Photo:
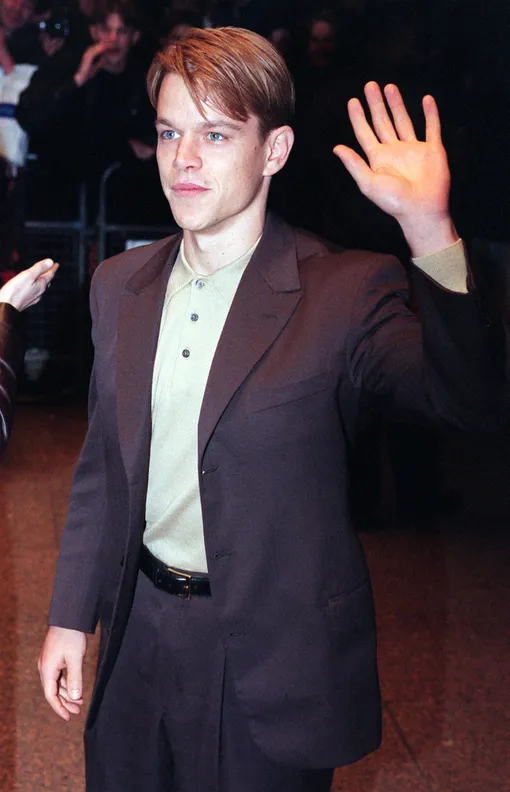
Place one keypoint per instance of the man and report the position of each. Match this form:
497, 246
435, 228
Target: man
208, 528
85, 110
17, 35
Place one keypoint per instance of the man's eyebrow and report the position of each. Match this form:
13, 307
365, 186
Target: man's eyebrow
204, 124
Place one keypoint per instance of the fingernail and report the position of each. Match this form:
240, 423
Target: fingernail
75, 694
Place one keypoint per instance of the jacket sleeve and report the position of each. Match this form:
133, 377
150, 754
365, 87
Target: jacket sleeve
76, 590
11, 361
448, 365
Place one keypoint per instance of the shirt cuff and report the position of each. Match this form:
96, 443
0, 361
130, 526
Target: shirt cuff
447, 267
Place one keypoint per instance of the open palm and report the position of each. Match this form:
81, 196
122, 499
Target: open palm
404, 176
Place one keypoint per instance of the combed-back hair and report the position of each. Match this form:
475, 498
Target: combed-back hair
234, 70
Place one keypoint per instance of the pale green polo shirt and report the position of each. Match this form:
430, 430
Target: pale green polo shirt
194, 312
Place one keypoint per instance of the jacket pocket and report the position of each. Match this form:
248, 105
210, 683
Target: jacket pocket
274, 397
352, 611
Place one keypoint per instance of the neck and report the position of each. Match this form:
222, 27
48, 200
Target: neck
209, 251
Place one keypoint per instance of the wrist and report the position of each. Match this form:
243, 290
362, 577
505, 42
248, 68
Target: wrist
428, 235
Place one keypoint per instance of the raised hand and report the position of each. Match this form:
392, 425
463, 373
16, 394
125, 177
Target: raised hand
407, 178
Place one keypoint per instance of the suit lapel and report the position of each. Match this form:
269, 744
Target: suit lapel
265, 300
138, 330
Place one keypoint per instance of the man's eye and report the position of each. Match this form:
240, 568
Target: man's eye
167, 134
215, 137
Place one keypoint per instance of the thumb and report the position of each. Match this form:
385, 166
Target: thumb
40, 267
74, 678
356, 165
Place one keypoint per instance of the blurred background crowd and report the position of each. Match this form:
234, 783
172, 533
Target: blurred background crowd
74, 116
73, 102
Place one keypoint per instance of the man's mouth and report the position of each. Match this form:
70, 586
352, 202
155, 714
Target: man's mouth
188, 189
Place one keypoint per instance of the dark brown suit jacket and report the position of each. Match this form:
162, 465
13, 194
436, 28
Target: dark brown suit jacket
310, 335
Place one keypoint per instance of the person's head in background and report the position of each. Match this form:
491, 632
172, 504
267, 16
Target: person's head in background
176, 24
321, 45
15, 13
281, 38
54, 30
117, 23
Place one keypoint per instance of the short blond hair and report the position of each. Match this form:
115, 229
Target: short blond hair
235, 70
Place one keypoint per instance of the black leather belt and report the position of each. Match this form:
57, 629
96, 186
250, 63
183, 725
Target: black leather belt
173, 581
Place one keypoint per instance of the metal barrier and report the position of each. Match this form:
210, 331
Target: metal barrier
58, 356
55, 329
113, 238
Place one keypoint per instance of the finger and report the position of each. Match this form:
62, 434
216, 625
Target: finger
357, 167
401, 119
362, 129
73, 707
48, 276
50, 688
432, 120
41, 268
380, 118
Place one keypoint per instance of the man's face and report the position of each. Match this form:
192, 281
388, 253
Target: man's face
14, 13
119, 37
214, 169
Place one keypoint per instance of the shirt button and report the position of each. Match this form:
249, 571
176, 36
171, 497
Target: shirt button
200, 284
186, 353
194, 317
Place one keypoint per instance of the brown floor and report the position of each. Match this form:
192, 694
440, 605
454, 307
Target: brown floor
443, 601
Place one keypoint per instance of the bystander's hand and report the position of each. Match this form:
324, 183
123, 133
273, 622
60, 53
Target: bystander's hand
27, 287
407, 178
92, 61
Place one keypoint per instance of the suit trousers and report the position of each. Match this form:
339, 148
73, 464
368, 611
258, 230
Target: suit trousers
169, 720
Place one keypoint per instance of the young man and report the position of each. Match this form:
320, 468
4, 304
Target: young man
208, 527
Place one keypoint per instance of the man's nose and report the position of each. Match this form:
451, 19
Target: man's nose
187, 154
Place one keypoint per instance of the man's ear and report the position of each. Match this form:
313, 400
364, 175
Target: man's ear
279, 142
136, 38
94, 33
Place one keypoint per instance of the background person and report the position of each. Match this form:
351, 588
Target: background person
85, 110
20, 292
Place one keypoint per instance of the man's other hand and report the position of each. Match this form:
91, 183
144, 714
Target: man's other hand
407, 178
60, 667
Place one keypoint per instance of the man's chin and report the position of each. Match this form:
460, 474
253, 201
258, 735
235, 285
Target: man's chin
188, 221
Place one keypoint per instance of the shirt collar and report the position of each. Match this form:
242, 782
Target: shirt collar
225, 280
